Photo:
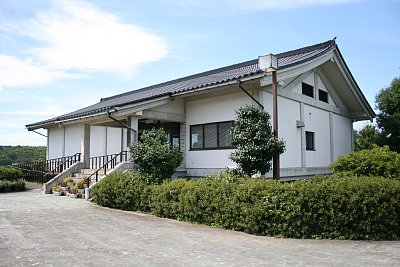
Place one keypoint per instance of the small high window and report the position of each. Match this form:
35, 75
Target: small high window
307, 90
310, 141
323, 96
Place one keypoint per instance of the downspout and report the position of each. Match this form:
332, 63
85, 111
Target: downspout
239, 82
122, 124
38, 133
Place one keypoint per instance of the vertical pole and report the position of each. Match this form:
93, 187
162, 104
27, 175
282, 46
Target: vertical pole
85, 145
275, 171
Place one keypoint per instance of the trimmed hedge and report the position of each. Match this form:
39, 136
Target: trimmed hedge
378, 161
326, 207
125, 191
10, 174
11, 186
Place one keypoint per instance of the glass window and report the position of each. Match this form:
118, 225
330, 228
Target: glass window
323, 96
196, 136
224, 135
210, 136
310, 141
307, 90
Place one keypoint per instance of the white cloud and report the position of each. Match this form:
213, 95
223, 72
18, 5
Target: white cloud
17, 72
42, 111
78, 36
74, 38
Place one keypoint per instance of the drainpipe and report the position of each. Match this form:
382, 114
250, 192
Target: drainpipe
239, 82
39, 133
122, 124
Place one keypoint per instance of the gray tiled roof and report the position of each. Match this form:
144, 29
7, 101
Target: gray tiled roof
189, 83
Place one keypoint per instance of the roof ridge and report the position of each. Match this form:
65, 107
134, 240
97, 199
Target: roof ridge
193, 76
308, 48
225, 68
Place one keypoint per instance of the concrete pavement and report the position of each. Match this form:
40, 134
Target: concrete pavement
45, 230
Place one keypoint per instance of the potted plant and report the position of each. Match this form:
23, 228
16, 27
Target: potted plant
63, 187
69, 181
81, 187
56, 190
72, 191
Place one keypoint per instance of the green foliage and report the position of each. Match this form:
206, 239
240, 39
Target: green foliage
11, 186
21, 154
10, 174
125, 191
254, 141
155, 157
337, 207
388, 119
378, 161
367, 137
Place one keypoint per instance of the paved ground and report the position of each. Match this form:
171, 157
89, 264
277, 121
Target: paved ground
45, 230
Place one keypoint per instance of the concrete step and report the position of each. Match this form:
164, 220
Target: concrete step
90, 171
79, 175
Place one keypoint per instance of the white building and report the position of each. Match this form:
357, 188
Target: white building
318, 99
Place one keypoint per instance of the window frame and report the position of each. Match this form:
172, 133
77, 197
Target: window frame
310, 147
218, 147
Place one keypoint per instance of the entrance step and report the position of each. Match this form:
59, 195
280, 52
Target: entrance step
85, 173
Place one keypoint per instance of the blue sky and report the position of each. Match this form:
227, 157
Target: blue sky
59, 56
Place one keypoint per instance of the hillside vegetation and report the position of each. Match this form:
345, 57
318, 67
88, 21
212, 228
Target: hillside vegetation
20, 154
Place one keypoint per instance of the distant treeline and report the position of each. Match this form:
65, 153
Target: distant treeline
20, 154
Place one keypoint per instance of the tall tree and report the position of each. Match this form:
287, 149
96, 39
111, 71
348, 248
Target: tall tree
388, 118
367, 137
254, 141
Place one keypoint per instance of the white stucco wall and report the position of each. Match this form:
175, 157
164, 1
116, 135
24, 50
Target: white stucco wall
106, 140
342, 135
73, 139
97, 141
114, 140
55, 142
288, 114
215, 109
317, 121
175, 107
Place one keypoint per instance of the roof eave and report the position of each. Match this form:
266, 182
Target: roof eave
55, 121
355, 88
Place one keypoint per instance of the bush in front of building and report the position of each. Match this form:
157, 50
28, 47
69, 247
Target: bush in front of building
155, 156
254, 141
125, 191
339, 207
378, 161
10, 174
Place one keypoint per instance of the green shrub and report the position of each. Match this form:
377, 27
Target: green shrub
155, 157
11, 186
10, 174
339, 207
378, 161
255, 143
125, 191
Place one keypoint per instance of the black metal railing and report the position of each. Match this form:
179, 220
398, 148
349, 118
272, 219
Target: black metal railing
108, 161
44, 171
100, 161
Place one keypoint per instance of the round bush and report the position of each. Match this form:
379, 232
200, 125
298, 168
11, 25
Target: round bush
378, 161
